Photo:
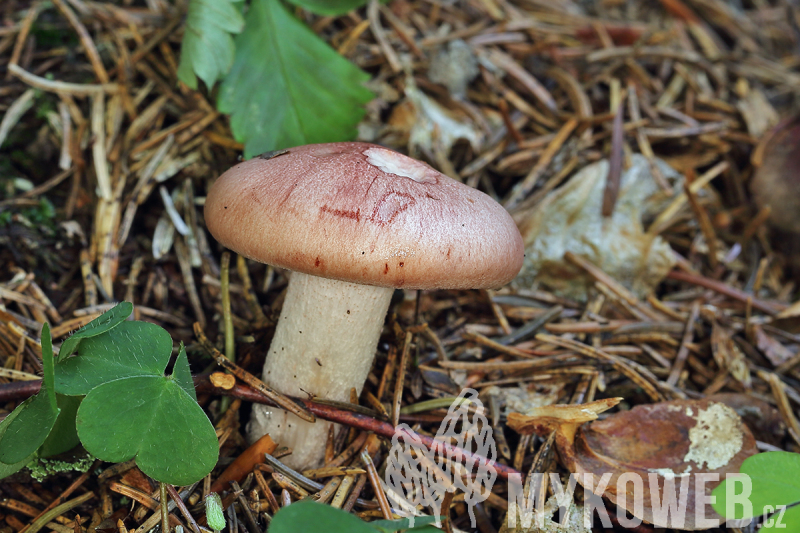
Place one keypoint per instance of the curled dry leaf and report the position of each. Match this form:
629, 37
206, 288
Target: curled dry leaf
728, 356
563, 417
758, 113
773, 350
666, 443
430, 127
454, 66
523, 398
570, 219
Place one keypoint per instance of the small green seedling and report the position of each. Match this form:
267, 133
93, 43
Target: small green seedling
312, 517
769, 487
215, 514
113, 396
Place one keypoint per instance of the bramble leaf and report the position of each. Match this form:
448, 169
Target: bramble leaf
287, 87
154, 420
329, 7
130, 349
207, 48
108, 320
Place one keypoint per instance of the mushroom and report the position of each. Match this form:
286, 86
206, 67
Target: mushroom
776, 185
353, 222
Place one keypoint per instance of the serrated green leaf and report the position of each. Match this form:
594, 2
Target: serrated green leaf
26, 428
329, 7
774, 480
182, 374
207, 49
154, 420
287, 87
310, 516
64, 435
130, 349
99, 325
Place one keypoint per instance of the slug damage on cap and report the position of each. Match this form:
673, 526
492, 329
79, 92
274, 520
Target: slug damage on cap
392, 162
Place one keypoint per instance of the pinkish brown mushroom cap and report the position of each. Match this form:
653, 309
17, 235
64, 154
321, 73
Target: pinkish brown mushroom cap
365, 214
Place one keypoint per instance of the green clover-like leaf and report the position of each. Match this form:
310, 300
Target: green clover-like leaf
421, 525
329, 7
130, 349
774, 479
64, 435
154, 420
27, 427
7, 470
108, 320
182, 374
308, 515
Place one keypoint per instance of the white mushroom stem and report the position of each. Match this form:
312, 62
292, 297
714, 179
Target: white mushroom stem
324, 345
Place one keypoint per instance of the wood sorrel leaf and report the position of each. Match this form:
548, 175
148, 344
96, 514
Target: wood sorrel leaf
307, 515
64, 435
183, 374
27, 427
774, 479
130, 349
153, 419
48, 384
7, 470
329, 7
421, 525
101, 324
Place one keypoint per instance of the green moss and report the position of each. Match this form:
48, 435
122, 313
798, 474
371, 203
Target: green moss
40, 468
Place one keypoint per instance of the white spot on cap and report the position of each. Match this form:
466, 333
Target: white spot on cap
400, 165
716, 438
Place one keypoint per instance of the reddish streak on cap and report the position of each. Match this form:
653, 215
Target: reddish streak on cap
366, 214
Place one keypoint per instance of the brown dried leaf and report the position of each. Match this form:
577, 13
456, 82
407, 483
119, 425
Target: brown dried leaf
758, 113
556, 416
791, 311
569, 219
728, 356
773, 350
